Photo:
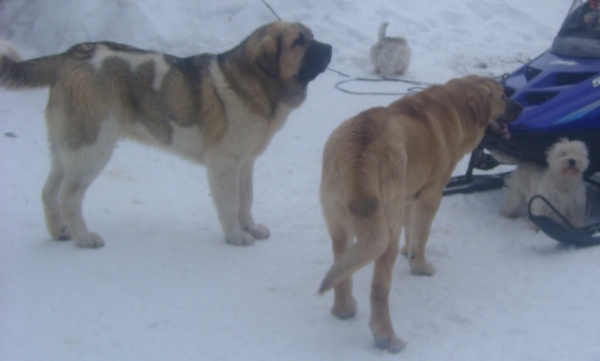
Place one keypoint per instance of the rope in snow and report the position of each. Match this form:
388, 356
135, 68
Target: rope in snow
418, 86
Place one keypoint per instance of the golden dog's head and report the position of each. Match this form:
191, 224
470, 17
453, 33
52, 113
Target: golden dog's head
489, 105
288, 51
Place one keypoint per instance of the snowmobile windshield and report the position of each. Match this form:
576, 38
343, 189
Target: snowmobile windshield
579, 35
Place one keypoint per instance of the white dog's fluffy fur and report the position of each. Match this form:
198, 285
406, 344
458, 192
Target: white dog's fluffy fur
561, 183
390, 55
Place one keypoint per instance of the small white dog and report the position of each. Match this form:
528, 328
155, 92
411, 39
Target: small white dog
561, 183
390, 55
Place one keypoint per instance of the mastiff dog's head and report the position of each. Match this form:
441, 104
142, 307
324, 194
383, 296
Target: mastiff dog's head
288, 51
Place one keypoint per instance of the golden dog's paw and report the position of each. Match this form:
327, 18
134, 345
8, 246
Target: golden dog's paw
392, 343
91, 240
421, 268
344, 310
259, 231
243, 239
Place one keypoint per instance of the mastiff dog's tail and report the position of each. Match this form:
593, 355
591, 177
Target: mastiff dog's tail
16, 73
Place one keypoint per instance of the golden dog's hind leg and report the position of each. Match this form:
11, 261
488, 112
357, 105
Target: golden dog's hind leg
344, 304
381, 323
421, 212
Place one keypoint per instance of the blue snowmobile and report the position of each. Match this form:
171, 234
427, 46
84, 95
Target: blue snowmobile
560, 93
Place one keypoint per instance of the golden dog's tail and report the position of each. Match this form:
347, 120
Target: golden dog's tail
361, 186
367, 220
18, 74
369, 246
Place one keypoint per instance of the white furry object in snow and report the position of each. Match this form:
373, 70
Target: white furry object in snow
390, 55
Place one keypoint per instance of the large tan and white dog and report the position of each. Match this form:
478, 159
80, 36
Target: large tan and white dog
220, 110
387, 168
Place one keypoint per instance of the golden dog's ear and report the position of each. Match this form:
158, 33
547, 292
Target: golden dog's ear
478, 102
266, 55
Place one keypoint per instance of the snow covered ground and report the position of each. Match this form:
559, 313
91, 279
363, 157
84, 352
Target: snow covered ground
167, 287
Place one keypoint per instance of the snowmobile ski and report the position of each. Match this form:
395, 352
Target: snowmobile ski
470, 183
580, 237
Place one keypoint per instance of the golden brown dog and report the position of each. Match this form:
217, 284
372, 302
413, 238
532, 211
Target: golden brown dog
387, 168
220, 110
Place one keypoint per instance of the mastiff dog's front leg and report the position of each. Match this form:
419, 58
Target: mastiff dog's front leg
225, 184
258, 231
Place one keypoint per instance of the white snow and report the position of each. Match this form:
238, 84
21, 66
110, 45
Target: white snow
167, 287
